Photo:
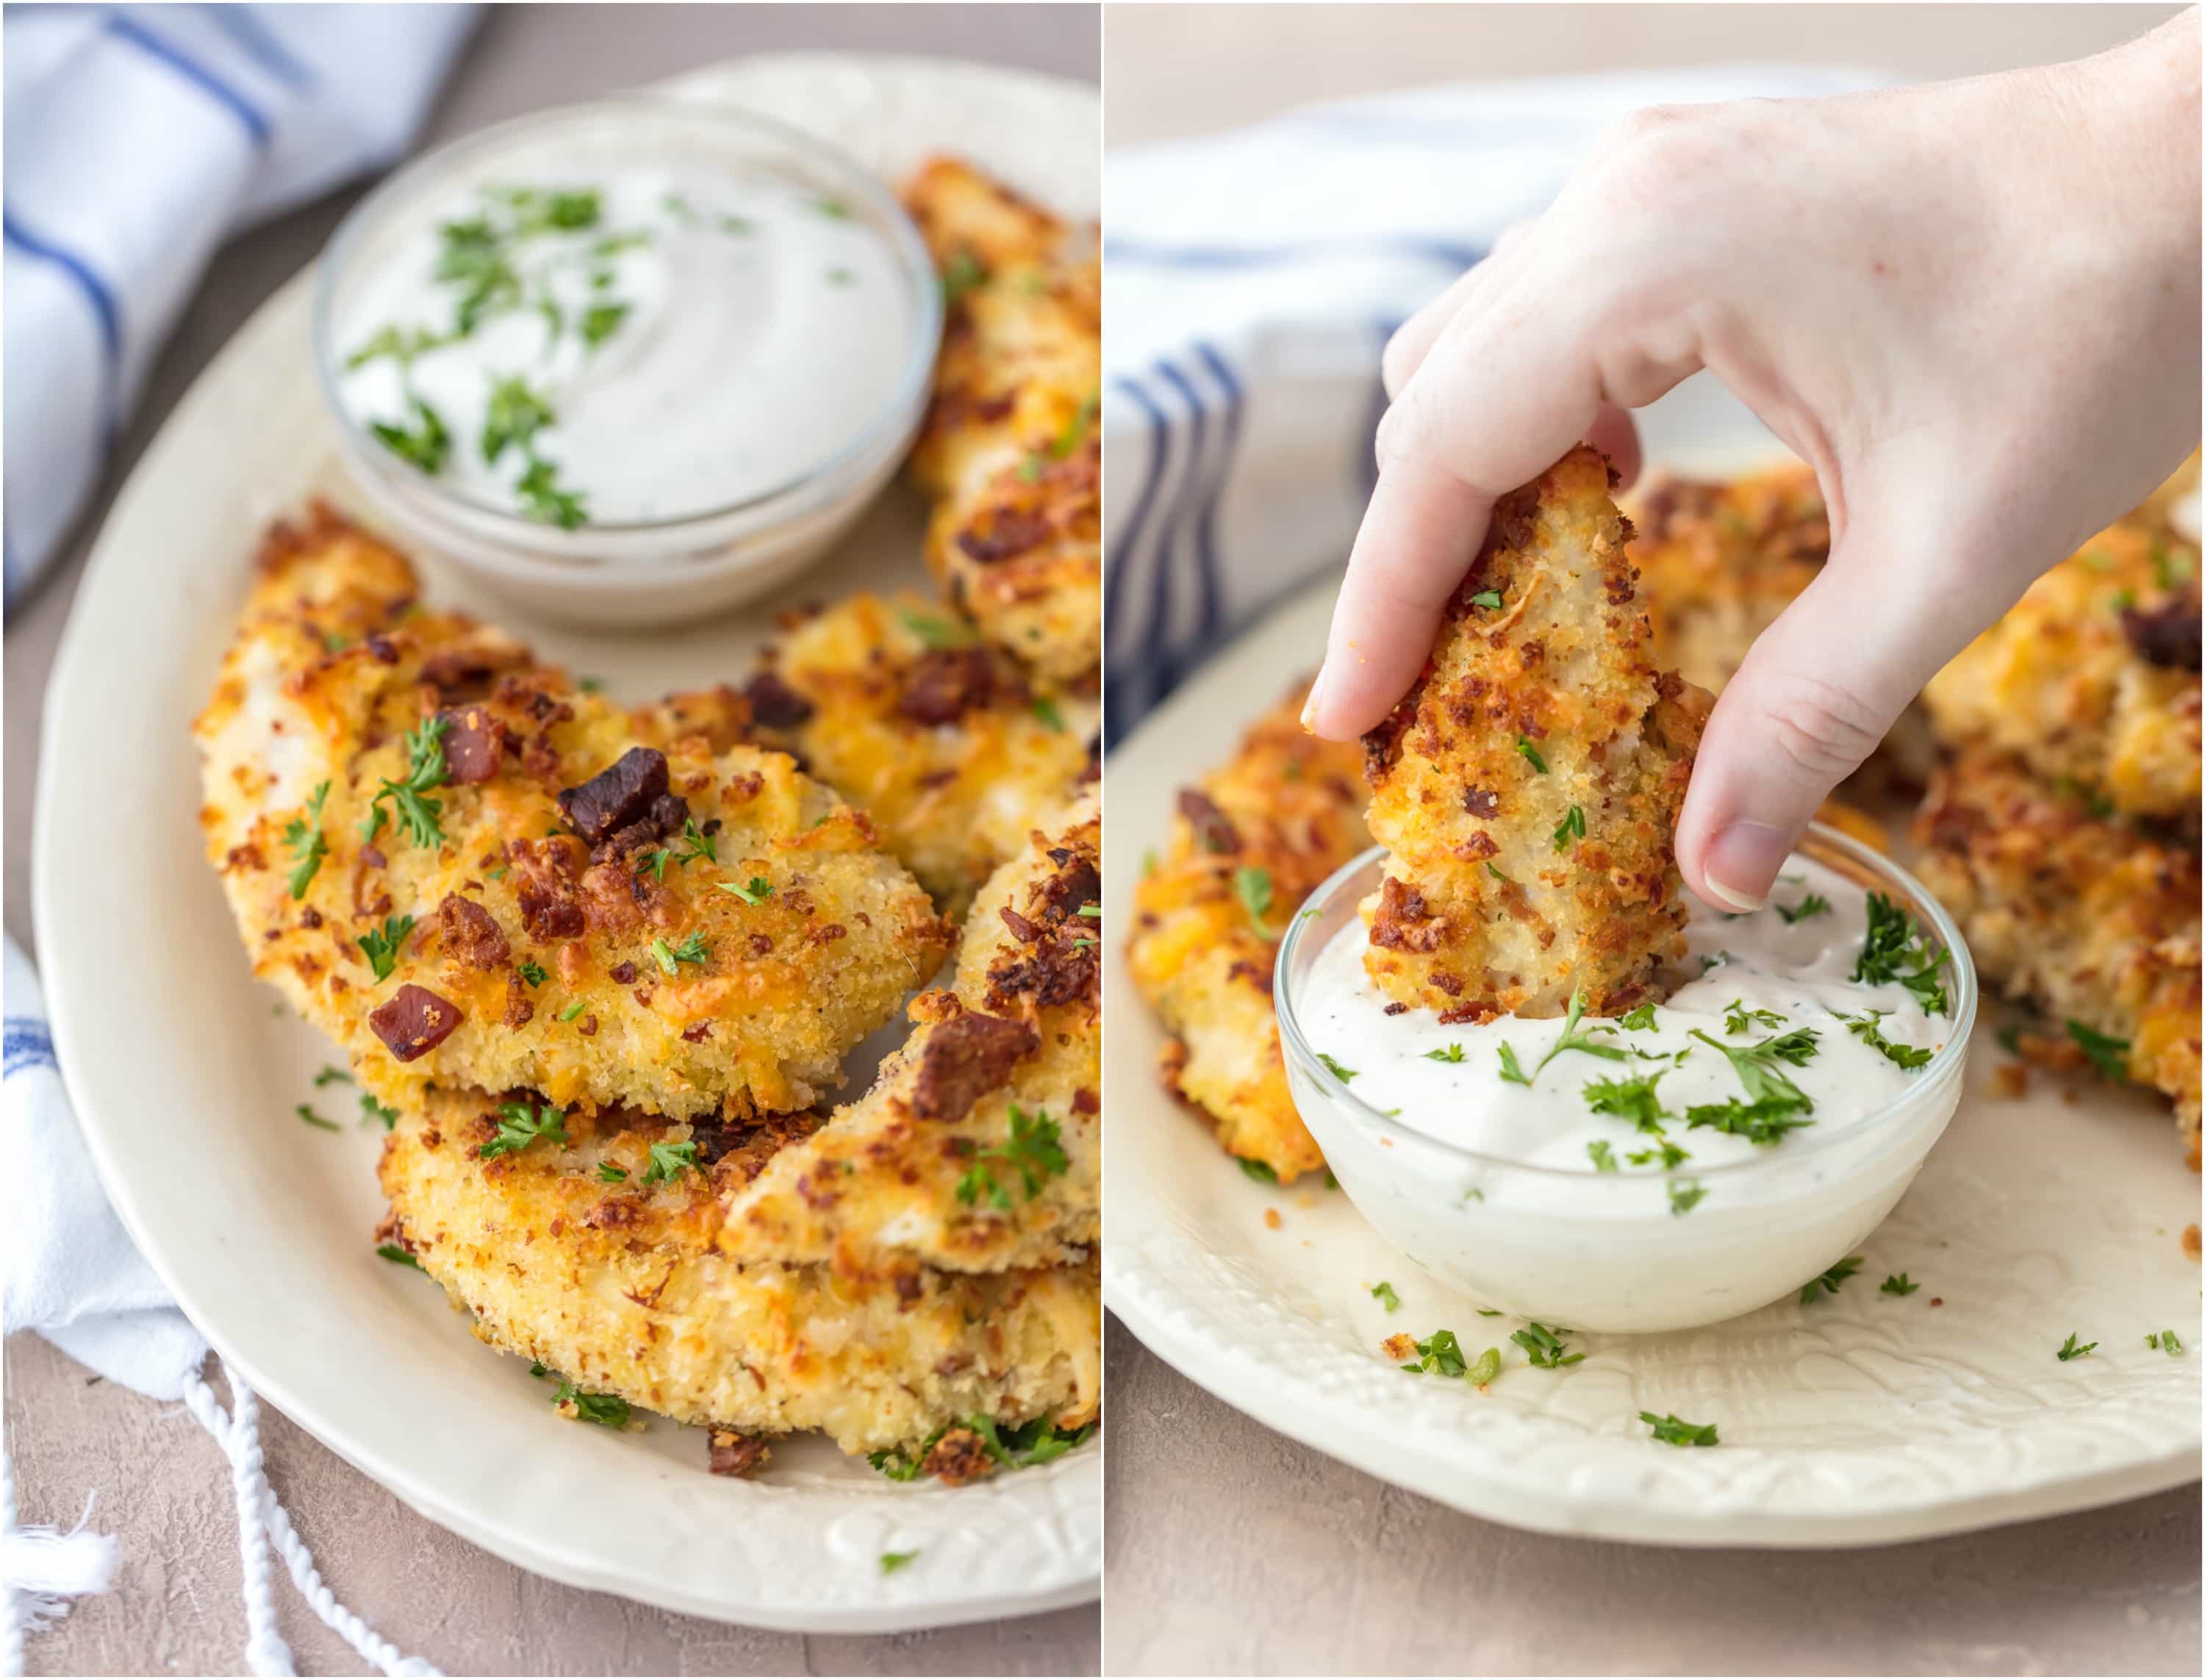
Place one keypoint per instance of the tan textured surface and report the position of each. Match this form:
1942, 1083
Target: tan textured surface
161, 1485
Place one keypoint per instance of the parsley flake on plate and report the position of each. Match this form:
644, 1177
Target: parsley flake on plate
1676, 1431
1830, 1282
1383, 1293
2068, 1351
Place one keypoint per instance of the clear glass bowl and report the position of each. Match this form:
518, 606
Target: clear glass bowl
633, 575
1603, 1251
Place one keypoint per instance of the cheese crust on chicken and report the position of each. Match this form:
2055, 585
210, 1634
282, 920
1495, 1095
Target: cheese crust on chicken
946, 742
2088, 918
1010, 453
1256, 838
576, 1252
978, 1148
2091, 679
470, 873
1528, 786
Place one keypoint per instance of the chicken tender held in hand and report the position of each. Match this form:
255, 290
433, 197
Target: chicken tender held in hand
978, 1148
1258, 836
472, 873
1528, 786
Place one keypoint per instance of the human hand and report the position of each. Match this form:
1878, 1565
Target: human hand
1972, 307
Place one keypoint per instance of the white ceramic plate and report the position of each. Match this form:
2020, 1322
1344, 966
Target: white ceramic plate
1862, 1419
186, 1077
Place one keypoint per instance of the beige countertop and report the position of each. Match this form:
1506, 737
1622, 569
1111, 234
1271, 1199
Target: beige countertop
1234, 1550
163, 1485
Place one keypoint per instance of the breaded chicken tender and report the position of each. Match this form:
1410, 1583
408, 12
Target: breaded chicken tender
1528, 786
472, 873
2088, 918
594, 1254
1258, 837
951, 748
978, 1148
1011, 454
1718, 562
2092, 678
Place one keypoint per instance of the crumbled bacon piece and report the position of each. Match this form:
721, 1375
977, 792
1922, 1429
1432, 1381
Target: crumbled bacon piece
474, 744
617, 795
774, 703
414, 1022
471, 933
964, 1059
737, 1455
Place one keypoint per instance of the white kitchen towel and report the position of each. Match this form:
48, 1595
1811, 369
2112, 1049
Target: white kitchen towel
72, 1275
1251, 279
139, 139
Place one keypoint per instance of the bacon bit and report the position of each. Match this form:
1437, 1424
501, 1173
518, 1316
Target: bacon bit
310, 918
617, 795
624, 975
643, 995
474, 745
964, 1059
519, 1011
761, 945
381, 646
742, 789
1085, 1101
774, 703
2010, 1081
1213, 829
957, 1458
471, 933
946, 683
1936, 1300
589, 1027
737, 1455
698, 1034
1481, 802
827, 935
414, 1022
1011, 532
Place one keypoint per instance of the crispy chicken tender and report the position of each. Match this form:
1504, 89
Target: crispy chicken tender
2089, 919
470, 873
943, 739
978, 1148
617, 1285
1266, 827
1718, 561
2092, 678
1011, 454
1528, 786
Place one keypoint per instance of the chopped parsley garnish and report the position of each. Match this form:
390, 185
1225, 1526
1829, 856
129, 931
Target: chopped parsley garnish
1439, 1354
1640, 1019
1523, 746
693, 949
1510, 1070
1813, 905
2108, 1054
1483, 1369
607, 1410
522, 1124
331, 1076
1383, 1293
756, 891
381, 946
1755, 1064
934, 630
312, 1118
1685, 1194
1603, 1157
1571, 828
1898, 1284
1830, 1281
2167, 1342
1895, 952
426, 444
1676, 1431
610, 1174
1031, 1150
303, 835
533, 971
2068, 1351
657, 861
1045, 709
372, 1111
572, 1010
669, 1161
1765, 1119
1662, 1150
1452, 1053
1261, 1171
893, 1561
1637, 1100
1495, 870
420, 816
515, 416
396, 1256
832, 209
1572, 1039
697, 844
1253, 889
1868, 1028
961, 274
1738, 1018
1342, 1074
1036, 1442
1544, 1347
1488, 599
541, 498
1075, 428
600, 321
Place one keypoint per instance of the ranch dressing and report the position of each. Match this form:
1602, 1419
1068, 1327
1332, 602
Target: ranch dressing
647, 345
1776, 993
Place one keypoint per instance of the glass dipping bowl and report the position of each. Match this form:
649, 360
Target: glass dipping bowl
655, 573
1604, 1251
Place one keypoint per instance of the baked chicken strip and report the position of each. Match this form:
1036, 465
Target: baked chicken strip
1528, 786
1011, 454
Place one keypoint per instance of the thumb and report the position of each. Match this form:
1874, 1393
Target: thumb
1817, 693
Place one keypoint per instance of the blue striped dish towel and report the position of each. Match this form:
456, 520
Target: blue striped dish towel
138, 139
1251, 279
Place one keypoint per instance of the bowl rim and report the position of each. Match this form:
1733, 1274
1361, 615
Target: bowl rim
1945, 1065
532, 542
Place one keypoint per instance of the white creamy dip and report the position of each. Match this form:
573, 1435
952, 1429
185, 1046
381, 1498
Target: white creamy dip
611, 348
1674, 1166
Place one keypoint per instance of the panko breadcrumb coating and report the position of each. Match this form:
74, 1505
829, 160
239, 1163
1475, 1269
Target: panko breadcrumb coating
978, 1148
472, 873
2091, 679
1011, 452
1718, 562
951, 748
1528, 786
593, 1255
1255, 839
2085, 917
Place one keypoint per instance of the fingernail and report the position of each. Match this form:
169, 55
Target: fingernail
1743, 862
1309, 706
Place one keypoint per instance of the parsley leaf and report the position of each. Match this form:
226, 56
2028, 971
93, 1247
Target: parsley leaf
1488, 599
1342, 1074
1755, 1064
1830, 1281
312, 1118
515, 414
541, 498
1452, 1053
893, 1561
1765, 1119
381, 946
1253, 889
1045, 709
934, 631
1523, 746
303, 835
1544, 1346
1813, 905
421, 817
1031, 1150
1896, 951
669, 1161
1571, 828
1440, 1353
1898, 1284
1510, 1070
533, 971
396, 1256
1603, 1157
1866, 1027
962, 273
610, 1174
1637, 1100
2068, 1351
608, 1411
2167, 1342
426, 444
1676, 1431
2108, 1054
1384, 1293
693, 949
1738, 1018
697, 844
1261, 1171
1685, 1194
522, 1125
370, 1111
1640, 1019
331, 1076
759, 890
